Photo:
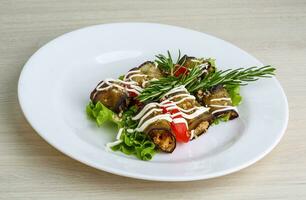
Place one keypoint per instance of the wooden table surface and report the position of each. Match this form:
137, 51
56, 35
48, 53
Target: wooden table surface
273, 31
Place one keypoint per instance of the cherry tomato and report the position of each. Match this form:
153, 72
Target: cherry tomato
181, 70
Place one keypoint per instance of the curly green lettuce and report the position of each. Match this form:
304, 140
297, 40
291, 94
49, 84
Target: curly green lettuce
132, 142
234, 92
223, 118
136, 143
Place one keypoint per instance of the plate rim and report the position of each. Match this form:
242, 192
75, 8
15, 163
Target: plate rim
143, 176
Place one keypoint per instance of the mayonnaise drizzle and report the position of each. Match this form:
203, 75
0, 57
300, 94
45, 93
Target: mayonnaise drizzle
221, 99
219, 106
136, 75
180, 120
130, 72
111, 144
192, 135
192, 115
177, 102
143, 111
169, 105
125, 84
148, 114
174, 90
225, 109
178, 95
166, 117
119, 133
132, 90
113, 83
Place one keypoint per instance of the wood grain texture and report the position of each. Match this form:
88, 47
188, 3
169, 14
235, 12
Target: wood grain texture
273, 31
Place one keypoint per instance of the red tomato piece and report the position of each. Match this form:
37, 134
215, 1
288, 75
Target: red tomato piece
180, 131
181, 70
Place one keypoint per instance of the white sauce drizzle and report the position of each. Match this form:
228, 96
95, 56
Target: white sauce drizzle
143, 111
123, 85
192, 115
148, 114
169, 105
174, 90
180, 120
203, 65
131, 72
221, 99
196, 60
219, 106
178, 95
192, 135
119, 134
118, 140
166, 117
225, 109
136, 87
177, 102
111, 144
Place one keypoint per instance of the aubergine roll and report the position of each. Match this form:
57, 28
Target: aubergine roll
161, 134
143, 74
112, 94
219, 102
189, 62
198, 118
116, 94
156, 124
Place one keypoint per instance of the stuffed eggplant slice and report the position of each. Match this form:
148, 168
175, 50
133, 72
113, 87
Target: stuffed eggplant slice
161, 135
117, 94
198, 118
157, 125
189, 62
112, 94
219, 102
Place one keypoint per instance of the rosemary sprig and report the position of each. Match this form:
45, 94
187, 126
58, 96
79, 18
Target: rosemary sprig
229, 77
166, 64
159, 87
193, 82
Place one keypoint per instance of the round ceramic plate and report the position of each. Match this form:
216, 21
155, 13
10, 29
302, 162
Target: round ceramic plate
55, 84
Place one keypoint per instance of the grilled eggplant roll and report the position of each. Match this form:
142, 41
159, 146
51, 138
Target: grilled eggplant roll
219, 102
190, 62
143, 74
154, 123
111, 94
161, 135
117, 94
198, 118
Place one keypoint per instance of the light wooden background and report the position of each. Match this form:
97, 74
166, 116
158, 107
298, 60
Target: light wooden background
273, 31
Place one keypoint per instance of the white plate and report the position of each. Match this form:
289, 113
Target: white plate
55, 84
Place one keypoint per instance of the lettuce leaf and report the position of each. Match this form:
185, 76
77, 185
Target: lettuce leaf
121, 77
127, 116
234, 92
212, 62
100, 114
137, 144
223, 118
